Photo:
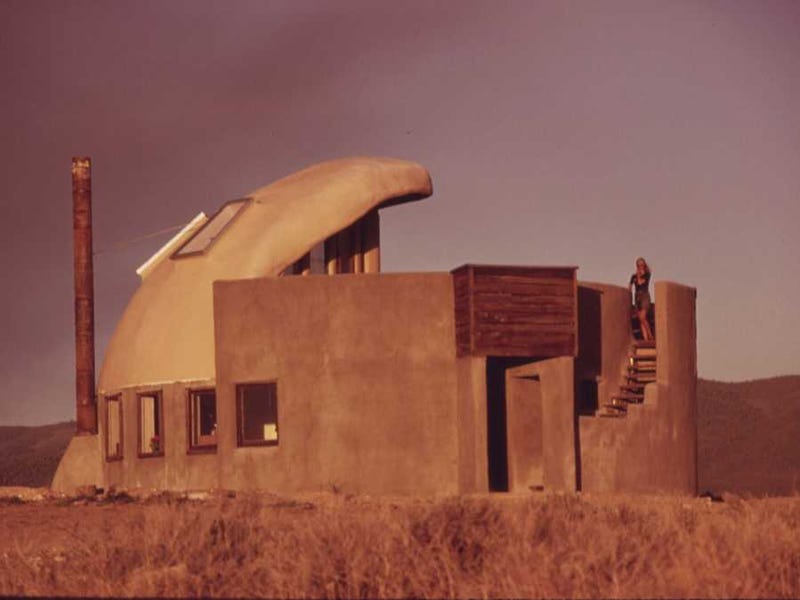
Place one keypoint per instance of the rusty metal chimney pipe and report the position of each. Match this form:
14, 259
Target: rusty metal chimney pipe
86, 407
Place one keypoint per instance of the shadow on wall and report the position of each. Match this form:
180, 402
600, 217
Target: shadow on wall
497, 428
589, 362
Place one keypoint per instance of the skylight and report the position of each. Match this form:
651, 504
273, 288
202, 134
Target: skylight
208, 233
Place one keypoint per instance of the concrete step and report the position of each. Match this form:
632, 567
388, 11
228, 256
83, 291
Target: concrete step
641, 377
630, 398
632, 387
610, 413
652, 350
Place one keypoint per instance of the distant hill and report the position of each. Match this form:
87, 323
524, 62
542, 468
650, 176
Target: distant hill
748, 440
749, 436
29, 455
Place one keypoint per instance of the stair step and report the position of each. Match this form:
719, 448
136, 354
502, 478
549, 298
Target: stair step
641, 378
642, 374
644, 343
631, 398
642, 369
610, 412
638, 357
642, 364
632, 387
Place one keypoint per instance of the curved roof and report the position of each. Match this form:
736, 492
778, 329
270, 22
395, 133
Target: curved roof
167, 330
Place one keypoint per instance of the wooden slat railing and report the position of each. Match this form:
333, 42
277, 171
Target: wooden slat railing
516, 311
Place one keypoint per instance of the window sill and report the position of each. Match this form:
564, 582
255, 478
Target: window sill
151, 455
202, 450
255, 443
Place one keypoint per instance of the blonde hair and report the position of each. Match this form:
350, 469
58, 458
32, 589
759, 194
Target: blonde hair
646, 266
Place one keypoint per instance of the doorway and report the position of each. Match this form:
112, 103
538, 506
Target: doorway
497, 430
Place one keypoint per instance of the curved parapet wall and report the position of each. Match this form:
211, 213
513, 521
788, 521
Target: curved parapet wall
654, 448
166, 333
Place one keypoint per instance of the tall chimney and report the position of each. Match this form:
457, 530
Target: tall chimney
86, 408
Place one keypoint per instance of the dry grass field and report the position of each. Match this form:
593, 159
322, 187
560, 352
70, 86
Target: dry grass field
335, 546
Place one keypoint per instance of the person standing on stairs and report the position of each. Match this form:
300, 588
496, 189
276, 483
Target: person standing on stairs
640, 281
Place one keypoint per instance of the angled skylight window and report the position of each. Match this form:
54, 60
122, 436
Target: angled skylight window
212, 230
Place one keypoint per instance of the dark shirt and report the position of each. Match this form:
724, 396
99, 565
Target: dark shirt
643, 286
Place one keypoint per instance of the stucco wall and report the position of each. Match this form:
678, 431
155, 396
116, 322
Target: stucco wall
472, 448
366, 376
176, 469
80, 466
654, 448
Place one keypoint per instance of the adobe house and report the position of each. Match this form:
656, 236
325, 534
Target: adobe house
265, 349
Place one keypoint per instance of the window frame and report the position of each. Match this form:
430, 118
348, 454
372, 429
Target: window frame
116, 399
240, 439
178, 254
140, 452
199, 448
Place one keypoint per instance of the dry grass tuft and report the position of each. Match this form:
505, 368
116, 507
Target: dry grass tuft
354, 547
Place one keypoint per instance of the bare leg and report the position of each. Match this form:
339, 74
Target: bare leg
647, 333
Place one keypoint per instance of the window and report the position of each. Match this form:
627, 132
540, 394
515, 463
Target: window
114, 428
204, 237
202, 420
257, 414
355, 249
311, 263
151, 430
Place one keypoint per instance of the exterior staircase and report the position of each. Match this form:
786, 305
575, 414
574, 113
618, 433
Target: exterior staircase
641, 370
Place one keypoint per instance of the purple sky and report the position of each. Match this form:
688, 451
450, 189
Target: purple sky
582, 133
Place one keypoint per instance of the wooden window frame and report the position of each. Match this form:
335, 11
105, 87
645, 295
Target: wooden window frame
240, 439
161, 444
117, 399
199, 448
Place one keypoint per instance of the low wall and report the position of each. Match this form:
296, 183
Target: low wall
654, 448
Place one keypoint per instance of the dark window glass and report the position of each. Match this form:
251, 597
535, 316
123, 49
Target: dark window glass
202, 419
257, 407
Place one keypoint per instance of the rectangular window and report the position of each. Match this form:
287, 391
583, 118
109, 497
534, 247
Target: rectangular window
151, 425
257, 414
202, 420
114, 428
212, 230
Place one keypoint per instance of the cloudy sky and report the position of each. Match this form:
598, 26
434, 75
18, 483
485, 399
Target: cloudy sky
584, 133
